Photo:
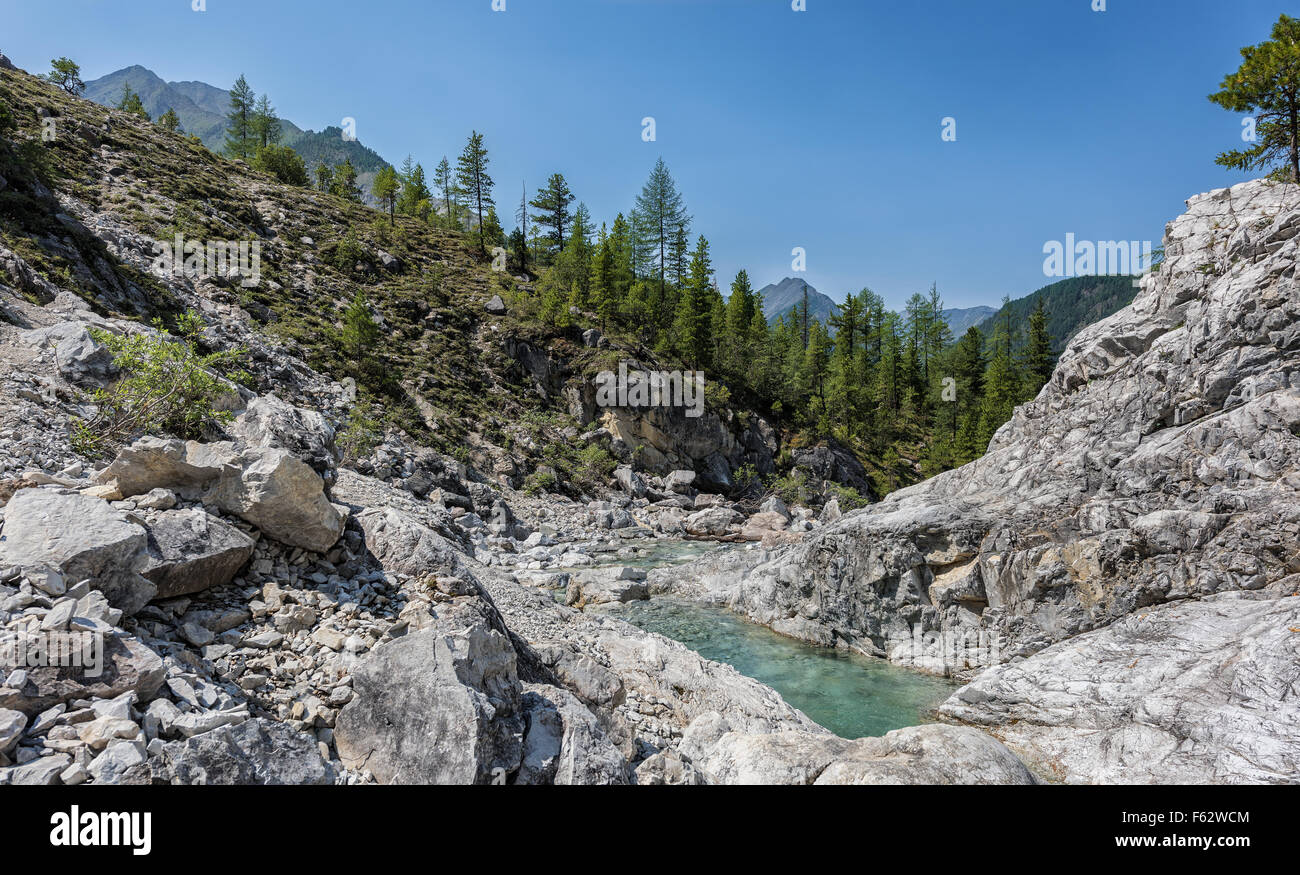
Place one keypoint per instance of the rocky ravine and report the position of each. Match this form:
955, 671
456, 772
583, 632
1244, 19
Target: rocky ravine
245, 610
1132, 538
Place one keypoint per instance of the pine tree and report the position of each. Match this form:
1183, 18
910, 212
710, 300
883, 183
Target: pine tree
1267, 85
360, 331
131, 102
169, 120
691, 325
324, 177
1037, 356
344, 182
442, 178
67, 75
240, 142
472, 178
553, 202
660, 212
603, 298
385, 189
415, 197
521, 216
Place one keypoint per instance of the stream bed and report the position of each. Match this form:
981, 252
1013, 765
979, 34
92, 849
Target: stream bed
854, 696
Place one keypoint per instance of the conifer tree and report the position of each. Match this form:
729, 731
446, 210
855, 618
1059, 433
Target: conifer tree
442, 178
1267, 85
473, 179
264, 126
385, 189
240, 142
131, 102
660, 212
67, 75
553, 202
169, 120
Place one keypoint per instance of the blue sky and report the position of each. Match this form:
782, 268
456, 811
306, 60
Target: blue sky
818, 129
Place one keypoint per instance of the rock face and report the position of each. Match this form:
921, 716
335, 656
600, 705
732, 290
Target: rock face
436, 707
931, 754
1160, 463
83, 537
1196, 692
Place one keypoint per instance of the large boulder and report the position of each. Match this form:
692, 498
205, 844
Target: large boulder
270, 422
167, 463
266, 486
713, 521
564, 742
191, 551
80, 358
630, 481
601, 586
402, 543
110, 665
435, 707
253, 752
282, 496
82, 536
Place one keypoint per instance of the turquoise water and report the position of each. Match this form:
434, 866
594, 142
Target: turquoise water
853, 696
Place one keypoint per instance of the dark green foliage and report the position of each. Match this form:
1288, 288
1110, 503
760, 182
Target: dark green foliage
283, 163
67, 75
241, 141
130, 102
1267, 84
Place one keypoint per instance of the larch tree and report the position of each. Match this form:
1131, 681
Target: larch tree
240, 141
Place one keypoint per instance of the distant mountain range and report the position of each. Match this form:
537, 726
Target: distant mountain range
202, 110
781, 298
1071, 304
959, 319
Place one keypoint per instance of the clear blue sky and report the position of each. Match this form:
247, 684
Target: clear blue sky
818, 129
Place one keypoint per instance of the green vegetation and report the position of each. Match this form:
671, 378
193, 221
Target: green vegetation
165, 386
130, 102
1267, 84
66, 75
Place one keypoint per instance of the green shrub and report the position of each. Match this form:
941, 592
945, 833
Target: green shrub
359, 438
538, 482
283, 163
594, 467
165, 386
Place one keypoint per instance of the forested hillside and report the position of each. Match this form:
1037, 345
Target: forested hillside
894, 389
1071, 304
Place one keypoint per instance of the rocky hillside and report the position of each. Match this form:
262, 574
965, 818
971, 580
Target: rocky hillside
1129, 541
